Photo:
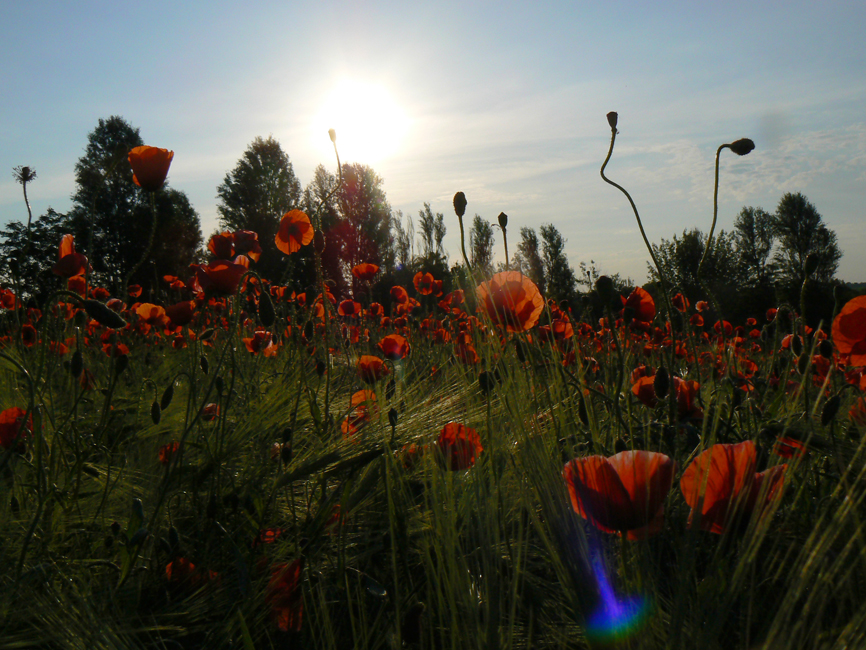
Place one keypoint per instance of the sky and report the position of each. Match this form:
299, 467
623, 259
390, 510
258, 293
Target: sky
504, 101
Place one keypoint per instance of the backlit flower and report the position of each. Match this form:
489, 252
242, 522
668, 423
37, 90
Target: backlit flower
365, 272
723, 482
423, 283
512, 300
150, 166
849, 331
459, 446
295, 231
13, 428
371, 369
623, 493
394, 347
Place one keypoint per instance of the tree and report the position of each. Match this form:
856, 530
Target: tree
256, 194
111, 216
432, 231
32, 268
481, 246
559, 276
355, 220
753, 240
402, 239
528, 258
801, 232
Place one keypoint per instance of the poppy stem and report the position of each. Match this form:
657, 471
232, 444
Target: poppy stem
147, 248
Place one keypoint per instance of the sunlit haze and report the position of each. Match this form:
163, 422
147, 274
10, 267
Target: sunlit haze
503, 101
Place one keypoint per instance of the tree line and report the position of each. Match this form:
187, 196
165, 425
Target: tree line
757, 265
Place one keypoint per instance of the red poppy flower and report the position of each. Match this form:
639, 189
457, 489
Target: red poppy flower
857, 413
399, 294
849, 331
349, 308
623, 493
70, 263
643, 389
365, 272
219, 277
701, 305
7, 299
134, 292
210, 412
29, 335
222, 246
262, 341
512, 300
13, 428
423, 283
295, 231
151, 314
285, 597
150, 166
181, 313
459, 446
394, 347
642, 303
371, 369
247, 243
726, 476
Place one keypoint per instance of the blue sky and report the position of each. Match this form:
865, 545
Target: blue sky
503, 101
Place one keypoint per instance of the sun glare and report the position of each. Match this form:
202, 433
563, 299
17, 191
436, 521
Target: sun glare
370, 125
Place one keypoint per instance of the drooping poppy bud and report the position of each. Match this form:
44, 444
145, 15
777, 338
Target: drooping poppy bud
167, 395
155, 412
661, 382
742, 146
103, 315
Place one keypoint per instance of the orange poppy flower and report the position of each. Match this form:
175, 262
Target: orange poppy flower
394, 347
680, 302
732, 486
459, 446
295, 231
371, 369
13, 428
399, 294
247, 243
150, 166
365, 272
222, 246
512, 300
70, 263
849, 331
151, 314
423, 283
133, 289
623, 493
262, 342
349, 308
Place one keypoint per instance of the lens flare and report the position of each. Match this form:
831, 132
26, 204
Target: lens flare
615, 618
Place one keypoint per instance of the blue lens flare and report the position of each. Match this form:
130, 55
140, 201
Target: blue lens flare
614, 619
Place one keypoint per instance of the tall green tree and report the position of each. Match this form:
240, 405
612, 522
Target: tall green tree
800, 230
753, 240
559, 276
255, 195
481, 242
528, 257
432, 231
111, 216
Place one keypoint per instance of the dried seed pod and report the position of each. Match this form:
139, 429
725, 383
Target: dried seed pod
612, 119
503, 220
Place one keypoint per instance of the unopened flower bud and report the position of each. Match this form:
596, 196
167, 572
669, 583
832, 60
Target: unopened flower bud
661, 382
604, 287
742, 146
460, 204
103, 315
612, 119
503, 220
811, 264
831, 408
333, 135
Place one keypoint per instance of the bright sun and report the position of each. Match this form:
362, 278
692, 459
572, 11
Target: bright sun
370, 125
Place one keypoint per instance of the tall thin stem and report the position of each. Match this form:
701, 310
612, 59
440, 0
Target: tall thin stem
715, 214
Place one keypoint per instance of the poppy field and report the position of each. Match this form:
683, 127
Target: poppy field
235, 463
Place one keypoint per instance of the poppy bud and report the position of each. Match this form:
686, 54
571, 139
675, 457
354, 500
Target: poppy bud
319, 242
503, 220
661, 383
485, 382
796, 345
286, 453
80, 318
831, 408
460, 204
811, 264
736, 397
155, 412
619, 446
320, 367
167, 394
333, 135
803, 363
139, 537
207, 334
137, 509
76, 366
612, 118
604, 287
742, 146
232, 500
115, 528
581, 412
392, 417
627, 315
103, 315
266, 310
203, 364
825, 349
14, 505
219, 384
